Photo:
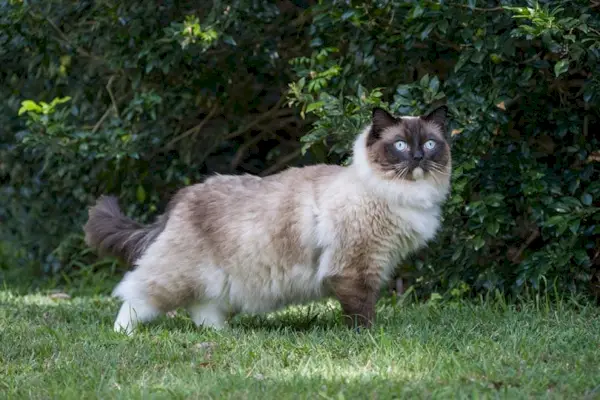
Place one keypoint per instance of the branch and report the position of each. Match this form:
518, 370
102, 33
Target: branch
273, 111
480, 9
243, 149
586, 119
110, 108
280, 123
534, 235
65, 39
112, 96
281, 163
101, 120
196, 128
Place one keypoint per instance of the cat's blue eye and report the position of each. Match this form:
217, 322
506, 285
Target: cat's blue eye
401, 145
429, 145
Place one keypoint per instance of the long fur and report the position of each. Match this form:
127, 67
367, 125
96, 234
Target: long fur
110, 232
248, 244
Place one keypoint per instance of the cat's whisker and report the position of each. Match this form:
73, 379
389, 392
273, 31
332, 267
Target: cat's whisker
438, 168
402, 172
436, 164
445, 173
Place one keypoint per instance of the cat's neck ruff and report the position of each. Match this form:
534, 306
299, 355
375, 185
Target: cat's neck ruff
422, 194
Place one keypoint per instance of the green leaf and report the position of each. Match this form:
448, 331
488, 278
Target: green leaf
59, 100
29, 105
443, 25
561, 67
493, 228
574, 225
314, 106
462, 60
347, 15
478, 243
478, 57
417, 11
555, 220
140, 194
434, 84
229, 40
587, 199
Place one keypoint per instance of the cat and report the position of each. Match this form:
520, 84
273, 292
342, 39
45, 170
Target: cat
246, 244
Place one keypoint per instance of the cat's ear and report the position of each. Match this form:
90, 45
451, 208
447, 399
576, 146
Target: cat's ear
438, 116
380, 121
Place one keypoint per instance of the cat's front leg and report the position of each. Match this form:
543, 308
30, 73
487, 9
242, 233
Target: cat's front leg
357, 298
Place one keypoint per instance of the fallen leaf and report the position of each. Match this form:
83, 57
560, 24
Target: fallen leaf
501, 106
456, 131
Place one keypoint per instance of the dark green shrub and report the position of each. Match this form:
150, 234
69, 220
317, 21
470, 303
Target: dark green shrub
523, 85
164, 92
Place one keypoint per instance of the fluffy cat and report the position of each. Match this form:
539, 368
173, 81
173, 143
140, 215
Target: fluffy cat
248, 244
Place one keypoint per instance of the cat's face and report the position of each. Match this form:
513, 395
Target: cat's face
409, 148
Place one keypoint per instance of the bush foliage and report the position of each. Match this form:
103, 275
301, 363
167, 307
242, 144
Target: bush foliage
140, 98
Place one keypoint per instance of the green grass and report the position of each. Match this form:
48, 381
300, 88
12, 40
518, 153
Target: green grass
65, 348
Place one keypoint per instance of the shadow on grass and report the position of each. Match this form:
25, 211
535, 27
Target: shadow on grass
56, 309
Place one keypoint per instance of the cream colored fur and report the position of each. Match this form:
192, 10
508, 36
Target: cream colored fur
246, 244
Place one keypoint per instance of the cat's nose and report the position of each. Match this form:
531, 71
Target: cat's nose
418, 155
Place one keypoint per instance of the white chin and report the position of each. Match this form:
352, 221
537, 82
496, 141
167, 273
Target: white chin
418, 174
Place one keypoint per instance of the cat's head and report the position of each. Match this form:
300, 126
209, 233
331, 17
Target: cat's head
412, 152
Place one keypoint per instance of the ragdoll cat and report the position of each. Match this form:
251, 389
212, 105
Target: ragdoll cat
248, 244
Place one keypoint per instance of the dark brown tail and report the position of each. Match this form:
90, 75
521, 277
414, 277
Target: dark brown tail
110, 232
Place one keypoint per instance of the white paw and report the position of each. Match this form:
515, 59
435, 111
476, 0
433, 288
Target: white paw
208, 315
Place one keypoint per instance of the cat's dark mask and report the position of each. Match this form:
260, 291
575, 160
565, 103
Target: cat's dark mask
409, 148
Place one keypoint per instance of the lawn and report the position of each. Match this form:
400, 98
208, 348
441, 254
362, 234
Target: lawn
55, 347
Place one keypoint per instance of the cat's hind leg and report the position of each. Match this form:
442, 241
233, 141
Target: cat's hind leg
208, 313
137, 305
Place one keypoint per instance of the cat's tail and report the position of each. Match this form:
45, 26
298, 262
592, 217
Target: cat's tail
110, 232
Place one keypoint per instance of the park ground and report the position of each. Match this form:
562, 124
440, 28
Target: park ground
61, 345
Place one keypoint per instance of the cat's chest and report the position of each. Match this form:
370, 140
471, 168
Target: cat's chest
399, 231
422, 224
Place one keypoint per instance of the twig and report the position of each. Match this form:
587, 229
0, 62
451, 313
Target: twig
481, 9
531, 59
596, 31
113, 106
441, 41
101, 120
258, 120
280, 123
241, 152
112, 96
586, 119
196, 128
65, 39
596, 254
281, 163
534, 235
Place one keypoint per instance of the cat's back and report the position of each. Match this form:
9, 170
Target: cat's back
243, 202
248, 188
